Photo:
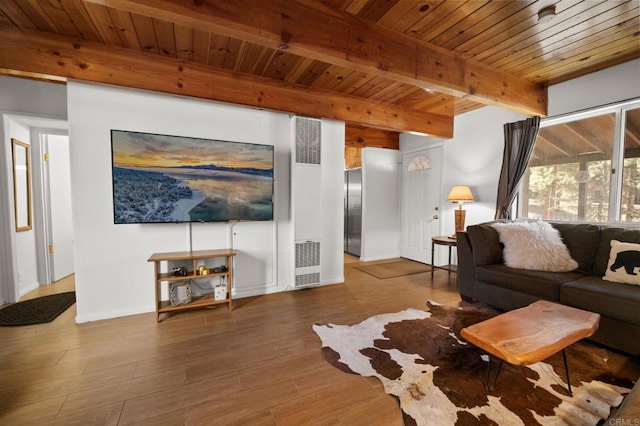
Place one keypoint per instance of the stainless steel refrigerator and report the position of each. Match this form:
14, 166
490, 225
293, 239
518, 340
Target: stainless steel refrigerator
353, 211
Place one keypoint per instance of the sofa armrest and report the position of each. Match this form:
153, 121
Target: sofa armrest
466, 276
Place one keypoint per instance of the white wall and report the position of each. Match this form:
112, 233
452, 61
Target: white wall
610, 85
27, 267
474, 158
415, 141
331, 251
113, 277
106, 251
380, 204
19, 97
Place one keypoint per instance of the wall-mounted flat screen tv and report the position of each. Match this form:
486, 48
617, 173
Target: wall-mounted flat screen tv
169, 179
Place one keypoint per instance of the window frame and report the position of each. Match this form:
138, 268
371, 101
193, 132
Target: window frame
617, 155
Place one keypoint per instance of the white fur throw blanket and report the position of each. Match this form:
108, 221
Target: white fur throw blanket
534, 245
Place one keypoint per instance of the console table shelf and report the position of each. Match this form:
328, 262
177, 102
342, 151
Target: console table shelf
191, 258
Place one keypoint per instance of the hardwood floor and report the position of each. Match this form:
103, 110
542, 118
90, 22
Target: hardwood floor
260, 364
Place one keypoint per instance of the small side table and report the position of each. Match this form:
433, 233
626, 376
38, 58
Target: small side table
442, 241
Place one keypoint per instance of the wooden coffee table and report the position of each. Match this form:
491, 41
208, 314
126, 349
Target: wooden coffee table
528, 335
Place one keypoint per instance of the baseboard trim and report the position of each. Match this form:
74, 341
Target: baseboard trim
373, 259
28, 289
99, 316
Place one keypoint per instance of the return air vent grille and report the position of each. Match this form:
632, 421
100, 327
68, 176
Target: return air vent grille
307, 140
307, 279
307, 254
307, 263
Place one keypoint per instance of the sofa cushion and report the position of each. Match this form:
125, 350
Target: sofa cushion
485, 244
534, 245
543, 284
602, 256
624, 263
582, 240
613, 300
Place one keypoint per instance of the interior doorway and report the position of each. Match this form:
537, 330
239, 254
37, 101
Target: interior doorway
420, 219
24, 255
56, 207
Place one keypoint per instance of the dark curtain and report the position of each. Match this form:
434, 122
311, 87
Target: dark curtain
519, 139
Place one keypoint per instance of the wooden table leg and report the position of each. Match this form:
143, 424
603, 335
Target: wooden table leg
432, 253
566, 370
488, 385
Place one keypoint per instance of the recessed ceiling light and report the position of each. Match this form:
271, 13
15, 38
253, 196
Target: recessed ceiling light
427, 89
546, 14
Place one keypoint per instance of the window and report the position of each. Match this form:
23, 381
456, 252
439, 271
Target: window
630, 194
419, 163
573, 173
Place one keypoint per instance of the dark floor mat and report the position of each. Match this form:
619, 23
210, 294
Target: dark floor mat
36, 311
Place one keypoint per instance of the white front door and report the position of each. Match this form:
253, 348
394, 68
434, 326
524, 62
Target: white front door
421, 178
61, 233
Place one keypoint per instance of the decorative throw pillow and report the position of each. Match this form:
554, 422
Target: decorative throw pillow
534, 245
624, 263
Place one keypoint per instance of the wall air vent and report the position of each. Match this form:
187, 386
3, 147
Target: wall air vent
307, 279
307, 263
307, 140
307, 254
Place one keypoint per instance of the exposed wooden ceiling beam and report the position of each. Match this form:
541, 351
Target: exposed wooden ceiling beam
314, 30
356, 136
632, 136
26, 52
34, 75
554, 145
581, 137
628, 133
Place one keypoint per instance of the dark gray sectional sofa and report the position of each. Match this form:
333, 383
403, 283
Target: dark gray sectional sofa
483, 277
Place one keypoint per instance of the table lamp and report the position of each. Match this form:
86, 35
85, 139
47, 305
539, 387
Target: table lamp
459, 194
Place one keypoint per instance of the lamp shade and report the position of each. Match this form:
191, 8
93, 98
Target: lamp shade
460, 193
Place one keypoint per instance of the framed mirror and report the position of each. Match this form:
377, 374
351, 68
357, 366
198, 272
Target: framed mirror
22, 184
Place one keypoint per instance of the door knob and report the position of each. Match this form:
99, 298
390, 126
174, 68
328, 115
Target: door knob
435, 216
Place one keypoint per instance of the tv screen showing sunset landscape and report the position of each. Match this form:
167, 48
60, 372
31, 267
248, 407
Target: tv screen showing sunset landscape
169, 179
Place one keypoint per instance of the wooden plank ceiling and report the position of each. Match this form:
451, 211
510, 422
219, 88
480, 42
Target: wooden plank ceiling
393, 65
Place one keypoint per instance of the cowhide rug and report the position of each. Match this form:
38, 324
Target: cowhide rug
438, 378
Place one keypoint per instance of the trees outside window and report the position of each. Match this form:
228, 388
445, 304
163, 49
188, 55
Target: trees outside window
586, 168
630, 194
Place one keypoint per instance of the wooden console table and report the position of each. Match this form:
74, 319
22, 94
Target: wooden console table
190, 260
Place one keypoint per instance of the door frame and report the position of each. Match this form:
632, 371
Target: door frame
439, 145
